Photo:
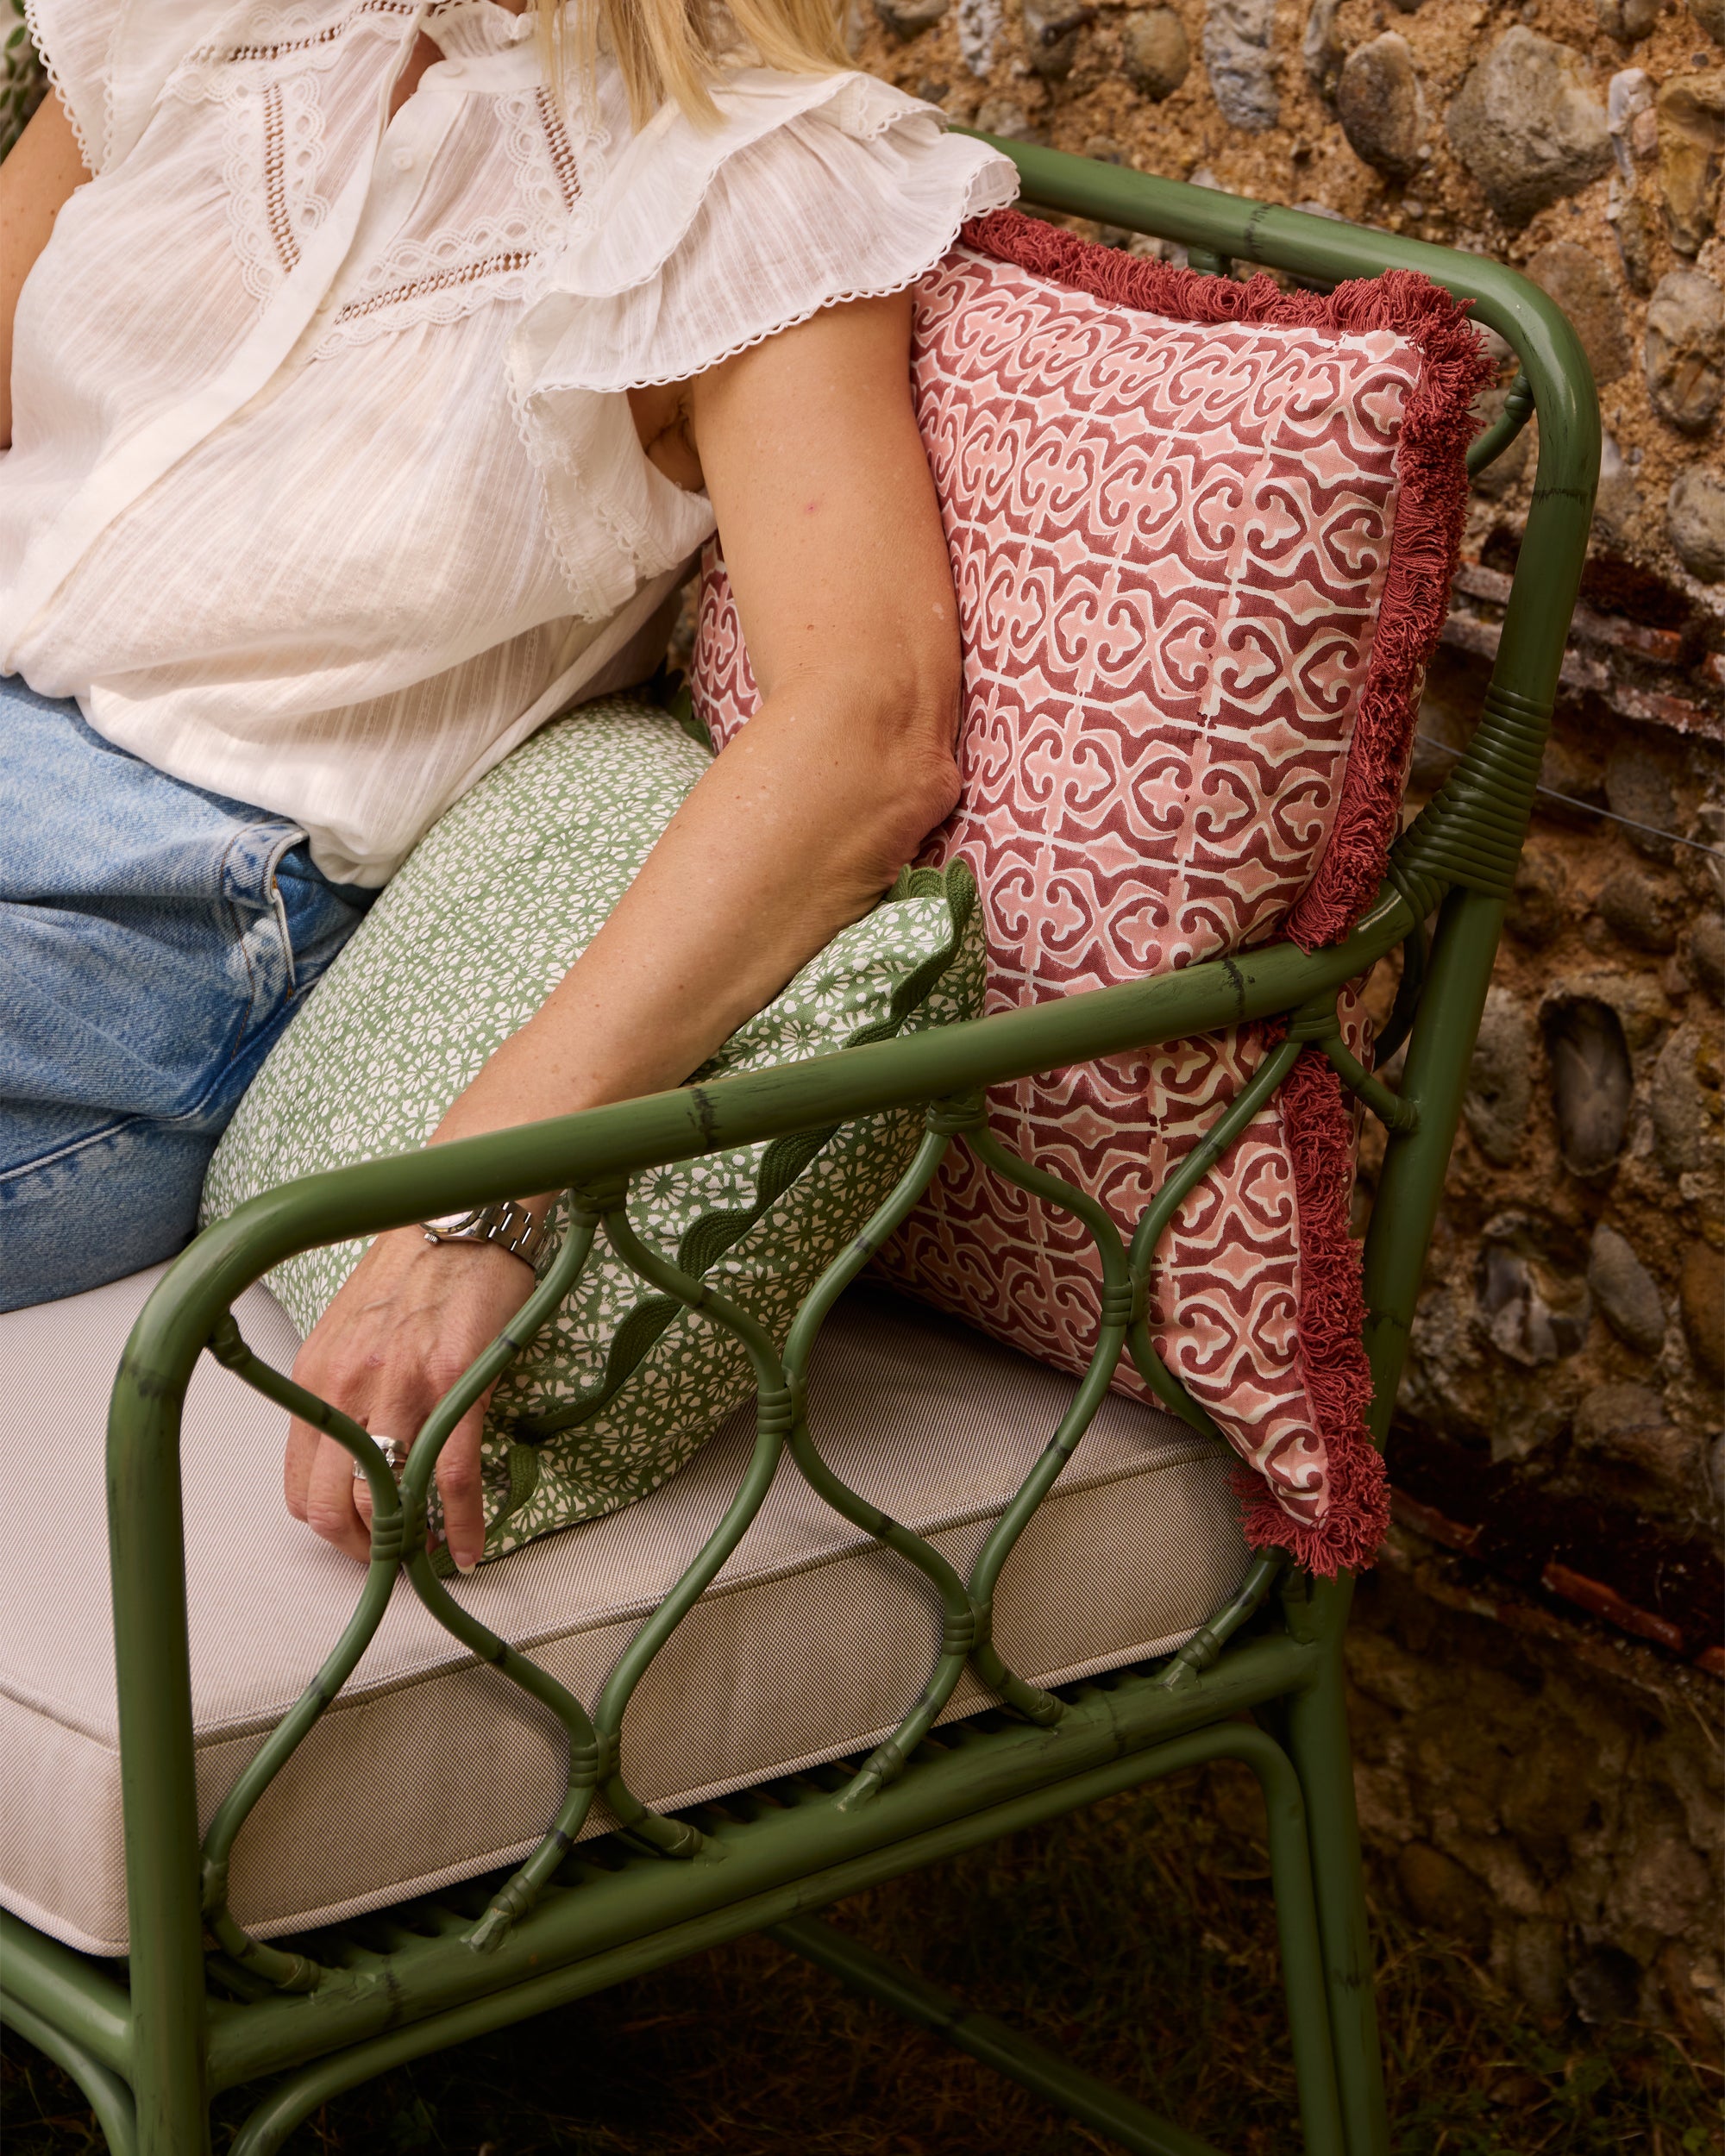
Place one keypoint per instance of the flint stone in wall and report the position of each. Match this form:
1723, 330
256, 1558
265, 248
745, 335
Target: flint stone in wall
1050, 35
979, 28
1680, 1104
1528, 127
907, 18
1592, 1083
1587, 292
1625, 1292
1005, 117
1503, 472
1657, 1890
1636, 910
1571, 787
1382, 107
1626, 1424
1634, 231
1634, 999
1710, 15
1535, 1310
1500, 1079
1691, 115
1628, 95
1240, 62
1684, 352
1155, 52
1703, 1295
1535, 915
1321, 51
1636, 787
1707, 954
1618, 504
1439, 1894
1694, 523
1628, 20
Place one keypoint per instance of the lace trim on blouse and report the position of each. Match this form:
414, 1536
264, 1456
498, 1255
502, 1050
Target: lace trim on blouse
444, 278
69, 75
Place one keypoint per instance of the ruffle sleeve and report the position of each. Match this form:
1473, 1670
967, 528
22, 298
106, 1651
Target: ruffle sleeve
700, 243
109, 62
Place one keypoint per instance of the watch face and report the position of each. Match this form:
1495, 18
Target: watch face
453, 1223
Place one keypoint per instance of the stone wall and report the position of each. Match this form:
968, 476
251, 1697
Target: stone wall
1538, 1659
1581, 140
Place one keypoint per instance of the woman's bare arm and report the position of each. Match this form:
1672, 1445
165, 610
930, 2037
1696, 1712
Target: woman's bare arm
834, 546
43, 168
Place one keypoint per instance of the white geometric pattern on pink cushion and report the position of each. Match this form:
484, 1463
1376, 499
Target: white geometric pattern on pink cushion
1170, 541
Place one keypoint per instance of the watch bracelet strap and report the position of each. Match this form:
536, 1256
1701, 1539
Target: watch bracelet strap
506, 1223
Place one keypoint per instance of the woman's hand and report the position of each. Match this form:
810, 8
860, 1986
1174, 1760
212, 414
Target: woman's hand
410, 1317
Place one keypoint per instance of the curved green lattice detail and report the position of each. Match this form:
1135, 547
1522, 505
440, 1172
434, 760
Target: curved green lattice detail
961, 1623
1490, 443
1119, 1296
1191, 1171
672, 1838
397, 1534
289, 1971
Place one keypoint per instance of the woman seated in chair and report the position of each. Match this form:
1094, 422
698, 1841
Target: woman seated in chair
376, 368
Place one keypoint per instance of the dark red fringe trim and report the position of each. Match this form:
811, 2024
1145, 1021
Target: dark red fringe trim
1331, 1321
1436, 429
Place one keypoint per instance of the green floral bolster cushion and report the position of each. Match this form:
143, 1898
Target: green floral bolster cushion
488, 913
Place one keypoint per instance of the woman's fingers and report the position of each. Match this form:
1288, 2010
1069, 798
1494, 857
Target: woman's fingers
330, 1510
460, 1487
410, 1319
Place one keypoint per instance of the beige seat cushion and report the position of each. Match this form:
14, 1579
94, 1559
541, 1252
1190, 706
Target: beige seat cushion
432, 1767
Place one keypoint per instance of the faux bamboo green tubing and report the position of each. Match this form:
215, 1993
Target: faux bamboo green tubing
654, 1914
1318, 1743
810, 1854
159, 2036
87, 2003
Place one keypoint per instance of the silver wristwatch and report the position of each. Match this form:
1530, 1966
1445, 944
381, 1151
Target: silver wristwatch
509, 1225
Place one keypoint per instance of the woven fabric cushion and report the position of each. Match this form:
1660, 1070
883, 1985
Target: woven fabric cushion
430, 1767
488, 915
1201, 534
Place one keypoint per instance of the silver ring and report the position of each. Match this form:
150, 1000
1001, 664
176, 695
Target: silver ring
393, 1450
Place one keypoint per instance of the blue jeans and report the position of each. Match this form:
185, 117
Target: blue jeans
154, 940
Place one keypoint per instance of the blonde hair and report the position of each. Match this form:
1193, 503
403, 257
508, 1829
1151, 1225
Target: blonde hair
677, 49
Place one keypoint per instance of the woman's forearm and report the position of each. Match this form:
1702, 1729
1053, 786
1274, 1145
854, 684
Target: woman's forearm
43, 169
833, 542
793, 835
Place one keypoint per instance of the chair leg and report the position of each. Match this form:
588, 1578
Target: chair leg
1056, 2079
168, 2085
1317, 1739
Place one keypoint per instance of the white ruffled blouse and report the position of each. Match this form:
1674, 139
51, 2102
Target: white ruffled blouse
325, 489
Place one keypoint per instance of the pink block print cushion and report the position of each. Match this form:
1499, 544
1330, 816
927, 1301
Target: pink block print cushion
1202, 534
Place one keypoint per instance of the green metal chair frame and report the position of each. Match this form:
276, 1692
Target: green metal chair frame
151, 2040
